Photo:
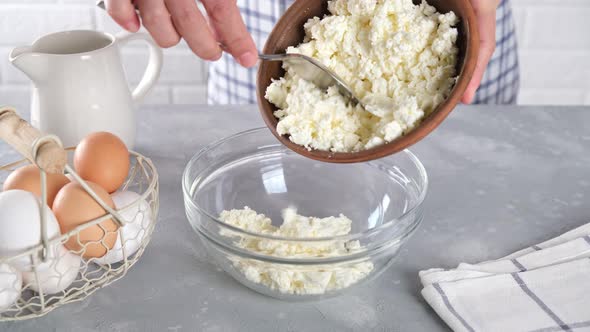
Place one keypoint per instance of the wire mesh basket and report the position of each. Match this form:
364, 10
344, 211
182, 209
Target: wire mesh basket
54, 275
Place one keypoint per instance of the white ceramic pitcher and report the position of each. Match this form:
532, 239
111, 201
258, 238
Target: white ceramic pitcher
79, 85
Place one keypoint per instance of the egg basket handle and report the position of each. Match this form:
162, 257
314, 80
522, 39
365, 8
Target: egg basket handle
47, 153
44, 151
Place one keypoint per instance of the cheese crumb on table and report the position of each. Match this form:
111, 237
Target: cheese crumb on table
295, 279
399, 58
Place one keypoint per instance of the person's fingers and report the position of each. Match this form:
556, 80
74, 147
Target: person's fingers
480, 68
123, 12
193, 27
487, 45
156, 19
225, 18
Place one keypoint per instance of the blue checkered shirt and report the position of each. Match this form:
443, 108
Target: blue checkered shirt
229, 83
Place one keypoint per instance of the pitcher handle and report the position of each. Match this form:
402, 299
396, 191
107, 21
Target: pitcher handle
154, 67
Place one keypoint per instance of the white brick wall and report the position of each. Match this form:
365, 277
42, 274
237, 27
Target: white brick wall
554, 51
553, 34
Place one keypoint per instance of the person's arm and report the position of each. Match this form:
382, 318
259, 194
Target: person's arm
169, 20
485, 11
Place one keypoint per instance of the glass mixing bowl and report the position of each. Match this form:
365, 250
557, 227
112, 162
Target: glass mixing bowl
383, 198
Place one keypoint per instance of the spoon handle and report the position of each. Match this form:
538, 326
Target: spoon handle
272, 57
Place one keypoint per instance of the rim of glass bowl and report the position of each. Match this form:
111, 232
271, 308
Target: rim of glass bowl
186, 184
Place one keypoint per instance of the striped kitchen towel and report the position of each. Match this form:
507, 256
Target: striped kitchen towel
545, 287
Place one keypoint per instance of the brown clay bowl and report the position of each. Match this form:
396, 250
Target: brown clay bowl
289, 31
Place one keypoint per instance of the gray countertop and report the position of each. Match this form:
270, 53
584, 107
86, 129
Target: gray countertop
501, 178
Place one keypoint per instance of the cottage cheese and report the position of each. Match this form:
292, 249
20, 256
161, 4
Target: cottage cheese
398, 57
294, 279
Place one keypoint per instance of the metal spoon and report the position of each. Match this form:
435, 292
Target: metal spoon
314, 71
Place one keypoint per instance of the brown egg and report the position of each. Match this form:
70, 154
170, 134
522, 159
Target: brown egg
72, 207
102, 158
28, 178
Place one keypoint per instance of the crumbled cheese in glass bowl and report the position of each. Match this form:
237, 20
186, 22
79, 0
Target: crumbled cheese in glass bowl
398, 57
293, 279
363, 212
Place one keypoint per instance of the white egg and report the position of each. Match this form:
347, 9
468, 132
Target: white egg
20, 227
10, 286
57, 277
138, 218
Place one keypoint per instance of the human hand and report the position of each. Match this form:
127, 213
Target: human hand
485, 11
169, 20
